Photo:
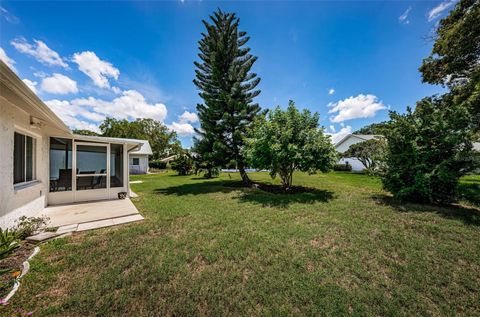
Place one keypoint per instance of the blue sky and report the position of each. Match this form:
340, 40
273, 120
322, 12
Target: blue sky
350, 61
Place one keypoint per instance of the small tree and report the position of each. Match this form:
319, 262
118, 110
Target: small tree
428, 150
370, 153
183, 164
287, 141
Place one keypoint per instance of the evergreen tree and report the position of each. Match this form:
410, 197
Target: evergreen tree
227, 87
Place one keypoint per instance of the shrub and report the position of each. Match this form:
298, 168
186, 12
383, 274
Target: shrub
29, 226
207, 171
157, 164
203, 157
342, 167
8, 243
428, 150
183, 164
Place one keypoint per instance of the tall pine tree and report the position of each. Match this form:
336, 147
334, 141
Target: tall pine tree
227, 87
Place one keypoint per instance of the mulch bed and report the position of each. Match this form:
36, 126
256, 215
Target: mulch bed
278, 189
274, 189
15, 264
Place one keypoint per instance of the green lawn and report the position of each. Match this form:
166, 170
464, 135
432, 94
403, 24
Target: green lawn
208, 247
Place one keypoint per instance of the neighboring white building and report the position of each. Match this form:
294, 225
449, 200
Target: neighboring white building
43, 163
476, 146
169, 159
344, 144
138, 159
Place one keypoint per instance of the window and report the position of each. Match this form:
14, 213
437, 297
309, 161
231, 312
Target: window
116, 165
135, 161
23, 158
60, 164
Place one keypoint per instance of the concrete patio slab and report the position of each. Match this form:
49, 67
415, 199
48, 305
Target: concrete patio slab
43, 236
71, 214
127, 219
108, 222
95, 224
67, 228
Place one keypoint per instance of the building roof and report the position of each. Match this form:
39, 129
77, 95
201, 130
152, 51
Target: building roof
169, 158
145, 149
364, 137
17, 93
94, 138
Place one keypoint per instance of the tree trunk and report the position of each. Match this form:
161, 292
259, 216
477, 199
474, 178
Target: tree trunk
243, 174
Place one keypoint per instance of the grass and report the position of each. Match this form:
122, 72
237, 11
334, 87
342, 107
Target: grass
470, 189
207, 247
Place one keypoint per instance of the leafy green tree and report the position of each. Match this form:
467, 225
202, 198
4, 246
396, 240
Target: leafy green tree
370, 153
290, 140
162, 141
454, 60
374, 128
84, 132
227, 87
428, 150
183, 164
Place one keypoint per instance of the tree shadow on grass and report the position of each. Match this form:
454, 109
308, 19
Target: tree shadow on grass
469, 215
251, 195
469, 190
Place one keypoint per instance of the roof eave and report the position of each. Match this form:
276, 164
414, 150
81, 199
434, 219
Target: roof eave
13, 82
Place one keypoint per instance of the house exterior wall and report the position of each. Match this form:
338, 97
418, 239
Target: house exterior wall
28, 199
142, 168
357, 166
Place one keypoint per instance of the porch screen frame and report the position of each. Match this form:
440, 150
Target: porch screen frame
74, 163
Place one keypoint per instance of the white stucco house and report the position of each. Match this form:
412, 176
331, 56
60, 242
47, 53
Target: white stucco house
43, 163
344, 144
138, 159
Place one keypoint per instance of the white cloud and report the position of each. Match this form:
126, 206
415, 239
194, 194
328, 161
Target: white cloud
130, 105
116, 90
361, 106
332, 128
9, 17
439, 9
182, 129
87, 113
59, 84
40, 51
31, 84
68, 113
331, 91
7, 60
92, 66
404, 17
340, 134
188, 117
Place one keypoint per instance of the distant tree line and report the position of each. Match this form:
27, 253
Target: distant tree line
162, 141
